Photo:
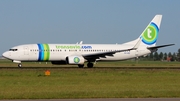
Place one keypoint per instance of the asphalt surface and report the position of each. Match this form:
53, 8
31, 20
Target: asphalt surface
168, 67
103, 99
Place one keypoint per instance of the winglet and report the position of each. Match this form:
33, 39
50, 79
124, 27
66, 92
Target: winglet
81, 42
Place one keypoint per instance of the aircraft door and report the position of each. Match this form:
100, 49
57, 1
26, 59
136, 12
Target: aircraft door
26, 50
137, 53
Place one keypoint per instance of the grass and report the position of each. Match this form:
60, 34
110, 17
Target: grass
88, 83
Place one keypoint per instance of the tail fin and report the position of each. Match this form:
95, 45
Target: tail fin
150, 35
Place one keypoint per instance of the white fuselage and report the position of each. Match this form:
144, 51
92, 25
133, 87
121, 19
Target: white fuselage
59, 52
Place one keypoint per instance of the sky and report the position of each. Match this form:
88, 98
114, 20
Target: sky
90, 21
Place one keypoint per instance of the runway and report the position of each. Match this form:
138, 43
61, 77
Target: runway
104, 99
128, 67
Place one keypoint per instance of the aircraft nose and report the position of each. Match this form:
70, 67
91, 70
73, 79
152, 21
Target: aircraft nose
5, 54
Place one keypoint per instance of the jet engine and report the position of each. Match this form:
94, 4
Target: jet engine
75, 60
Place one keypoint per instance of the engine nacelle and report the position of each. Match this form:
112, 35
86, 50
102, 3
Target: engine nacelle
75, 60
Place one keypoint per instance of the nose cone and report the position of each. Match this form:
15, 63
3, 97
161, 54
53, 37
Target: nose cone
6, 54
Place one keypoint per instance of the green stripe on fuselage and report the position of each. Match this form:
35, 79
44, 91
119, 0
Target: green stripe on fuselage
46, 52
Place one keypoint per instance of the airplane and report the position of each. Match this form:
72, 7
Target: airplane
78, 54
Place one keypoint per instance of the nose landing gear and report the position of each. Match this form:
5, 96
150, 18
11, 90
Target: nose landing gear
19, 65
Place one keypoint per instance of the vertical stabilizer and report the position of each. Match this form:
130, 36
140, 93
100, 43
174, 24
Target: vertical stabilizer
150, 34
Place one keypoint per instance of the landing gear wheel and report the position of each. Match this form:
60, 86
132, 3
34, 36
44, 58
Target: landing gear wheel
81, 66
19, 65
90, 65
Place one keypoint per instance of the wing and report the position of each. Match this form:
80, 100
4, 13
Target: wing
92, 57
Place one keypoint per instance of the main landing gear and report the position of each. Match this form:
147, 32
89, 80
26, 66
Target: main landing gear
89, 65
81, 65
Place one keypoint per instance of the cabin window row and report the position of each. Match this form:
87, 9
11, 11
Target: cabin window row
45, 50
77, 50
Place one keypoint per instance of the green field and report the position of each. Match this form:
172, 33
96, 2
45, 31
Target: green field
90, 83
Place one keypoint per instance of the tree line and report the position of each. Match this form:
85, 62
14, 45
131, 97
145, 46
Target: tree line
155, 56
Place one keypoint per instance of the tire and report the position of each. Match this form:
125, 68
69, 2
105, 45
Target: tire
81, 66
19, 65
90, 65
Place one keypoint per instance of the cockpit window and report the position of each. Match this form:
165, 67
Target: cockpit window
13, 49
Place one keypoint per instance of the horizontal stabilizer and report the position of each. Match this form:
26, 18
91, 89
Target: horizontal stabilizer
155, 47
